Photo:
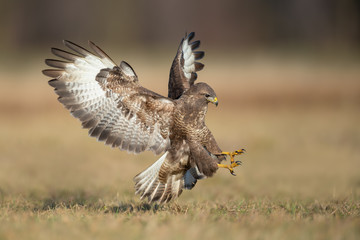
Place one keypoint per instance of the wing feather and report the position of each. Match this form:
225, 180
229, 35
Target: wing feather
106, 59
56, 63
80, 50
108, 100
64, 54
195, 45
184, 67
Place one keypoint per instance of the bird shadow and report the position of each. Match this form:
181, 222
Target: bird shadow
132, 207
89, 201
65, 199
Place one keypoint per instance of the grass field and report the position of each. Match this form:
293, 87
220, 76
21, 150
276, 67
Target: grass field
299, 122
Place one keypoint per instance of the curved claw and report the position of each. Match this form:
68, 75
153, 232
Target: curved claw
240, 151
233, 163
232, 154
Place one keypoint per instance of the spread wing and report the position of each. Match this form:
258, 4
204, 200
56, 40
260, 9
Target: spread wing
109, 101
184, 67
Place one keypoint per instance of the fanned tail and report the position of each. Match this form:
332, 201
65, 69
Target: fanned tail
148, 185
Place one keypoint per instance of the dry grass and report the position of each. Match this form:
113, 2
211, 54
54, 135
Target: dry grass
299, 180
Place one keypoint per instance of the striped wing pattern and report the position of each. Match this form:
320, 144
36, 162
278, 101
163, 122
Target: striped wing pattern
108, 100
184, 67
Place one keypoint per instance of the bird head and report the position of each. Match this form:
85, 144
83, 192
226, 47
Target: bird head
204, 93
198, 96
212, 99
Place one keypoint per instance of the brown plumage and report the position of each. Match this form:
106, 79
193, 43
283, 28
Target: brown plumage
116, 109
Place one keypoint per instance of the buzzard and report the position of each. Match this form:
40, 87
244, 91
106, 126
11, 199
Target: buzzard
109, 101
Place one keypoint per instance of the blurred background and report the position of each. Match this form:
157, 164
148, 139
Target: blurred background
229, 24
287, 75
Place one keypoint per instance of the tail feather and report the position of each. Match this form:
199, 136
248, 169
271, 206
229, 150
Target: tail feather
157, 193
148, 185
151, 173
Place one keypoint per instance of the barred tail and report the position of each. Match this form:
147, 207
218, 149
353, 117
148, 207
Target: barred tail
148, 185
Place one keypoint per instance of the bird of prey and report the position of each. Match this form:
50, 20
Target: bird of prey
109, 101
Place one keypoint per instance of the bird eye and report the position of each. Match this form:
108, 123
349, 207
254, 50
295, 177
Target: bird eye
207, 95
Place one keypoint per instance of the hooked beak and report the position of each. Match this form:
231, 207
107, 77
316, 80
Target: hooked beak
213, 100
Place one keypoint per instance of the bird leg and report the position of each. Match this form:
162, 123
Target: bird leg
233, 163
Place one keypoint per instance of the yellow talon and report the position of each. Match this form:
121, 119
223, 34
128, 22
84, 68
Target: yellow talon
232, 154
233, 164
